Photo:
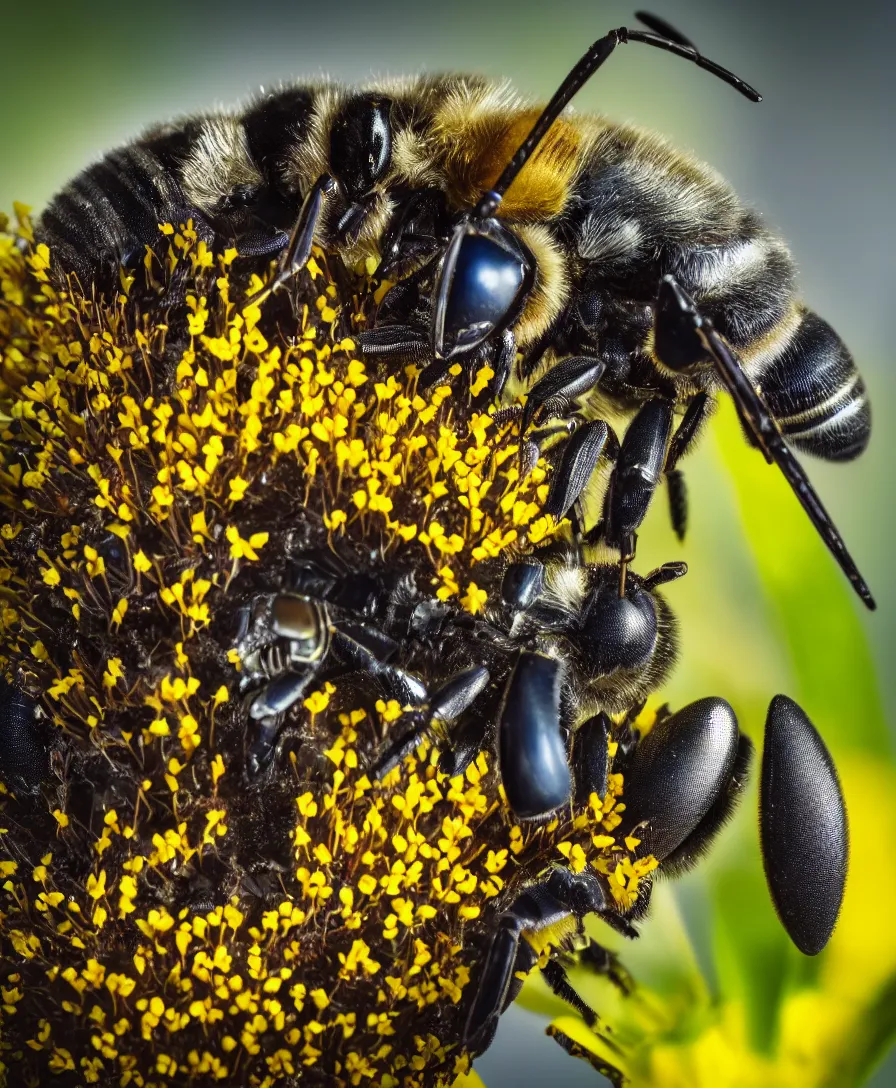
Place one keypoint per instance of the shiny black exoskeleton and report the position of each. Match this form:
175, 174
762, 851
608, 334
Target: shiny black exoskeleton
478, 282
803, 827
618, 636
681, 781
530, 734
24, 748
571, 638
685, 338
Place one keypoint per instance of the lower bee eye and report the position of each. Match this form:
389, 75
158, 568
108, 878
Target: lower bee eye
620, 632
485, 285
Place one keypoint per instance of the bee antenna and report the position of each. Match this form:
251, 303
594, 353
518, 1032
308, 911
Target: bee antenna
669, 39
664, 29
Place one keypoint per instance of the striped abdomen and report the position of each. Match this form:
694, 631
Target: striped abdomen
111, 211
816, 393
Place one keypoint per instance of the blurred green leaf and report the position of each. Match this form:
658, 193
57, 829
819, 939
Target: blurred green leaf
750, 950
816, 610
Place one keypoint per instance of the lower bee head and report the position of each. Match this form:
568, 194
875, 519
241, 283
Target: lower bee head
619, 630
616, 630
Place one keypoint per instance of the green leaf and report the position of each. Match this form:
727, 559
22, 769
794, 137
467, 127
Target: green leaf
818, 617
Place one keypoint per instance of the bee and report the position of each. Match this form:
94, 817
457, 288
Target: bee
510, 230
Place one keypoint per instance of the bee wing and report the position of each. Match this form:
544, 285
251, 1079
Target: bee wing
758, 420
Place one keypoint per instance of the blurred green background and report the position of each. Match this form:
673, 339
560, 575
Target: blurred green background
764, 609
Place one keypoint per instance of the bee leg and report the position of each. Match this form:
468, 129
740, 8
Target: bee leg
581, 454
681, 442
604, 962
465, 747
458, 693
553, 395
678, 502
403, 746
555, 976
682, 336
402, 341
639, 468
537, 908
367, 649
277, 696
24, 759
267, 709
446, 705
403, 242
296, 254
590, 757
260, 749
494, 984
532, 748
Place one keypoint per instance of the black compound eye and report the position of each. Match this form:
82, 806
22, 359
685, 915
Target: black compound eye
361, 144
620, 632
484, 278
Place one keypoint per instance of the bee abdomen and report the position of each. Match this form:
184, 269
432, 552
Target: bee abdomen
111, 210
816, 393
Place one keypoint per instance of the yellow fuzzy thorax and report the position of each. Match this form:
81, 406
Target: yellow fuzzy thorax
175, 436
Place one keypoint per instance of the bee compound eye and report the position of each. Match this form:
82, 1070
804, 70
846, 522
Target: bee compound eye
619, 632
486, 282
522, 585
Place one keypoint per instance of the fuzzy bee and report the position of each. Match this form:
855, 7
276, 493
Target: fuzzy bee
511, 229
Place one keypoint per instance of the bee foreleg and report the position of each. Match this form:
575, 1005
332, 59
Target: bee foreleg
604, 962
581, 454
555, 976
590, 757
296, 254
447, 704
554, 394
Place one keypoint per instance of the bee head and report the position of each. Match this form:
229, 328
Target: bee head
618, 631
482, 283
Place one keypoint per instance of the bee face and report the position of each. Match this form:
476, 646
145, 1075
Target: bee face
619, 638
